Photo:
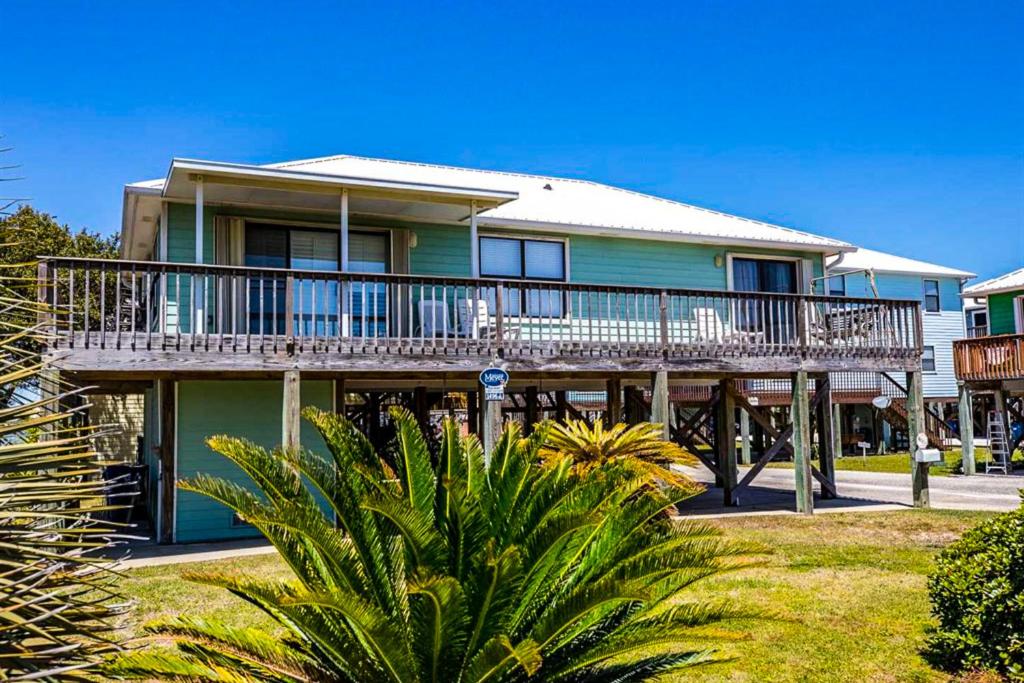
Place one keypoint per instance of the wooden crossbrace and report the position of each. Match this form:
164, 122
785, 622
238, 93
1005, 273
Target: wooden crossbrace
685, 434
781, 439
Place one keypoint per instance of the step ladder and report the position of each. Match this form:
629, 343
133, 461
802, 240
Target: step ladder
998, 444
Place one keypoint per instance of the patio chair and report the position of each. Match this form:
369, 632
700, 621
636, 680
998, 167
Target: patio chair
710, 328
434, 320
475, 322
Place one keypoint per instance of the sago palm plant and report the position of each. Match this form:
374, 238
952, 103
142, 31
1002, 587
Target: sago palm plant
56, 594
457, 569
639, 448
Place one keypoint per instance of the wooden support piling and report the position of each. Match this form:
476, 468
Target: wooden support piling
290, 411
826, 439
966, 411
421, 407
725, 440
745, 446
802, 445
167, 397
613, 404
659, 403
532, 413
561, 406
915, 427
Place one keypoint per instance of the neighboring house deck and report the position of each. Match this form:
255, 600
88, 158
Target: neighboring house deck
990, 362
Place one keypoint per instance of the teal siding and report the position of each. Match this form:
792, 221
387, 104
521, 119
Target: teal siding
1001, 319
244, 408
441, 250
444, 250
614, 260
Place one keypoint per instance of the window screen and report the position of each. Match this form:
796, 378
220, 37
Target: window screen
501, 257
931, 296
928, 359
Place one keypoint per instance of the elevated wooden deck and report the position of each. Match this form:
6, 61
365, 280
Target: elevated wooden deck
126, 318
990, 359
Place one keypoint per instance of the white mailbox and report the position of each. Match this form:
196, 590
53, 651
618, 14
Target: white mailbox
928, 455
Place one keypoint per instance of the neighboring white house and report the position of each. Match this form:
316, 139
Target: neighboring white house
939, 290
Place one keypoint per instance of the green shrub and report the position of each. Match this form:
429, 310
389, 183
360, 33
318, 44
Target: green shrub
977, 594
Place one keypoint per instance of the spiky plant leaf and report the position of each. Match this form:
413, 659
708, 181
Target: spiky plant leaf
448, 567
57, 596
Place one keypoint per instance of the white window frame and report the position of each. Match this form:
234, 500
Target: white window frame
566, 314
924, 295
935, 367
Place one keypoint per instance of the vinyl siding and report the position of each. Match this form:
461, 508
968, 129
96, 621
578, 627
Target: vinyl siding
245, 408
1000, 312
940, 329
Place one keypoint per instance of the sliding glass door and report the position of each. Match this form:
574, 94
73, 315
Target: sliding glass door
771, 276
316, 309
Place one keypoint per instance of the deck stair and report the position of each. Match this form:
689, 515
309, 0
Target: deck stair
998, 443
940, 435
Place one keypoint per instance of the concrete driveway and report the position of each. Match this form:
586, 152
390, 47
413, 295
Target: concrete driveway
772, 490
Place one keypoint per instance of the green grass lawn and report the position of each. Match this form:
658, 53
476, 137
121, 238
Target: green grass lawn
899, 463
847, 590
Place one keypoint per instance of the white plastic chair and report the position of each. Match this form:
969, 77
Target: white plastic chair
710, 328
473, 323
434, 318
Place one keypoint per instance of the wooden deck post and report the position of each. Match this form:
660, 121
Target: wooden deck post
339, 397
473, 412
167, 397
291, 420
725, 440
966, 429
659, 402
802, 445
915, 426
745, 446
561, 406
532, 414
613, 402
421, 408
826, 439
491, 427
837, 429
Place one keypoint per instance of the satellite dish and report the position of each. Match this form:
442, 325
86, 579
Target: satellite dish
881, 402
922, 440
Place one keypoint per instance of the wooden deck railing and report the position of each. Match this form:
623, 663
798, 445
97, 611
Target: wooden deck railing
128, 305
989, 358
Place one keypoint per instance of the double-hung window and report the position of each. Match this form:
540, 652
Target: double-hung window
510, 258
928, 359
931, 296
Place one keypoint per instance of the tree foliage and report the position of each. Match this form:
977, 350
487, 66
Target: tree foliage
56, 595
976, 592
453, 568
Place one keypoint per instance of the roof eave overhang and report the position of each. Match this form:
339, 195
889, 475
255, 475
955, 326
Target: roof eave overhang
129, 213
183, 171
989, 292
658, 235
843, 268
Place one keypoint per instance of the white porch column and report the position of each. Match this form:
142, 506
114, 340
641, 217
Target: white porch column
474, 247
198, 282
344, 230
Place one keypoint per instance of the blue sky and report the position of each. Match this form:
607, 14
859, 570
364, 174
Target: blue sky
897, 126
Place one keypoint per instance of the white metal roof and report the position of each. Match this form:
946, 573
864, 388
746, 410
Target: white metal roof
881, 262
1009, 282
565, 204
